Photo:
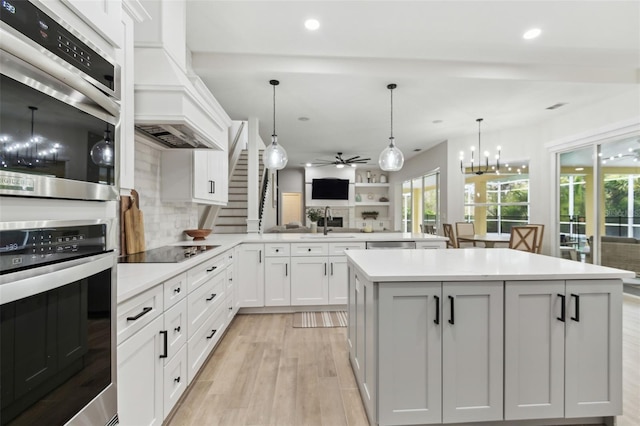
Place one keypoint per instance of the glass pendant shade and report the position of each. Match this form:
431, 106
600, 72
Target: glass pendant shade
275, 157
102, 152
391, 158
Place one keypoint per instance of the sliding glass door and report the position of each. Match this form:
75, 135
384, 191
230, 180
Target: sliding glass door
421, 204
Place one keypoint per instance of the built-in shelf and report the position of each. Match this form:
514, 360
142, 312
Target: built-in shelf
371, 185
372, 203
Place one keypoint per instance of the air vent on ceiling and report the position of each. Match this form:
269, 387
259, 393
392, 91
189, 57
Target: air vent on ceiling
556, 106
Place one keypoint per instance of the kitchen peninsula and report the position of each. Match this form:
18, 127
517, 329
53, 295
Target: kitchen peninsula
498, 336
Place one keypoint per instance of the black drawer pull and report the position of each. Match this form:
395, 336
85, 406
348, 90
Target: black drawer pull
277, 250
286, 269
331, 268
308, 249
177, 379
213, 268
562, 308
576, 318
325, 268
144, 312
177, 329
165, 344
212, 333
176, 290
211, 298
452, 320
230, 308
437, 320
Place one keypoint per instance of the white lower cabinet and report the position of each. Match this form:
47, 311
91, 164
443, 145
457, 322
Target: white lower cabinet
175, 380
310, 280
277, 281
250, 274
562, 349
203, 340
338, 277
140, 377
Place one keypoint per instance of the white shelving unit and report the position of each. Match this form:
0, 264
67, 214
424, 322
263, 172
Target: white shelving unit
370, 194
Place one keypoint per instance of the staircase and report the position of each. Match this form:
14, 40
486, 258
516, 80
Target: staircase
232, 218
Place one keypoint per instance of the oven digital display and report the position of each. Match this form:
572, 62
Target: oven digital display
8, 7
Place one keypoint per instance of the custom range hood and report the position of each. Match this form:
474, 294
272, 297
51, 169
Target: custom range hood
173, 108
172, 104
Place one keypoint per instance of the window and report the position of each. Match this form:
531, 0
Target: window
421, 203
496, 202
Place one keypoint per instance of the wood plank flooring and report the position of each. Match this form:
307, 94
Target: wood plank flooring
265, 372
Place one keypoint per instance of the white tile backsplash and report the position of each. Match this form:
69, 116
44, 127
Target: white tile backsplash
164, 221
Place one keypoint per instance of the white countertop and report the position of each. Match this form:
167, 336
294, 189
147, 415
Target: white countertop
134, 278
473, 265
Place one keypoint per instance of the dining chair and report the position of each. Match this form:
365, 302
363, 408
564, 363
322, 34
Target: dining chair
540, 229
523, 238
465, 228
447, 228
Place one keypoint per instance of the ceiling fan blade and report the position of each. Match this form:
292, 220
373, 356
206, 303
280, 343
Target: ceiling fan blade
352, 158
361, 160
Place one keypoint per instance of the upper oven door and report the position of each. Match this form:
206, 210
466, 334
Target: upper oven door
58, 127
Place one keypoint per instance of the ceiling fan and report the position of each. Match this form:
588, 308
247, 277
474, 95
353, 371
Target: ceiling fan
341, 161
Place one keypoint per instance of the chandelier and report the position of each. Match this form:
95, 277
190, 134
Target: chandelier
479, 164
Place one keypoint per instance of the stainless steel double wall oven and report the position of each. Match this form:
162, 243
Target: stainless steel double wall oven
59, 125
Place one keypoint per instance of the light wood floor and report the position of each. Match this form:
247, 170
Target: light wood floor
265, 372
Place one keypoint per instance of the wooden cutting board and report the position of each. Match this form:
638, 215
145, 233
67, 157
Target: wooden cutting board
134, 226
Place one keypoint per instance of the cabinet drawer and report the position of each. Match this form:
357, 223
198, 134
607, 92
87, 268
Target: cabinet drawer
309, 249
199, 274
175, 289
203, 340
338, 249
175, 325
204, 300
175, 380
272, 250
135, 313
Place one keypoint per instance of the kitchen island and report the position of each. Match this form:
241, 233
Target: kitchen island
484, 336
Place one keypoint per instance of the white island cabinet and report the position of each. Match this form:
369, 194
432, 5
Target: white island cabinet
477, 336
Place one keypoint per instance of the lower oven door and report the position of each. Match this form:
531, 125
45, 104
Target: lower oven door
57, 343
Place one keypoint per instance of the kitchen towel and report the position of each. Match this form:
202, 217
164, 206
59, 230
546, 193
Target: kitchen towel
320, 319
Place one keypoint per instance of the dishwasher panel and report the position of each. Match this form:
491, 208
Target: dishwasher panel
373, 245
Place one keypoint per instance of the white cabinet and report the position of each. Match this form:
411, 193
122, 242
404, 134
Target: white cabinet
472, 351
562, 349
410, 325
534, 350
198, 176
338, 276
593, 358
140, 377
250, 275
277, 281
310, 280
104, 16
368, 199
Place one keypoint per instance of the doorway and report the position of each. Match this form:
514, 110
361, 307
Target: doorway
291, 207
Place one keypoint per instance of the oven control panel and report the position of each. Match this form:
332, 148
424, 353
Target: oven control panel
28, 248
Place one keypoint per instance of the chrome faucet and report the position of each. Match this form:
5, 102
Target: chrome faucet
327, 216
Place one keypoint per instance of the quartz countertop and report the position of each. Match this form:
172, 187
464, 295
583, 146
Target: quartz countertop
473, 265
134, 278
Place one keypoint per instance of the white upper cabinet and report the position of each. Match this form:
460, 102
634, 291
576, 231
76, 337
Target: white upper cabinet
104, 16
198, 176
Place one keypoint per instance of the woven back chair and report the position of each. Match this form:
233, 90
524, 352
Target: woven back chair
524, 238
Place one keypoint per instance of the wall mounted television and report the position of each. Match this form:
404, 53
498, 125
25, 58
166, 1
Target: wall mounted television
330, 189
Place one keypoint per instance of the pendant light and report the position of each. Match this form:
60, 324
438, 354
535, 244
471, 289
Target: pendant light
102, 151
391, 158
477, 168
274, 157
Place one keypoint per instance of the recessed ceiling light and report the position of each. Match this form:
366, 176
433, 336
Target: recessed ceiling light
304, 118
312, 24
339, 166
532, 33
579, 169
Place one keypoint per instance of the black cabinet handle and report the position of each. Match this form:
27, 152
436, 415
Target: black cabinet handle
165, 344
562, 308
277, 250
212, 333
437, 320
177, 329
452, 302
213, 268
177, 379
576, 318
176, 290
286, 269
213, 186
325, 268
210, 298
210, 187
230, 308
308, 249
331, 268
144, 312
260, 256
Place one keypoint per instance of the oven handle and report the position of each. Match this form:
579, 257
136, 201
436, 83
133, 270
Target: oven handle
18, 48
54, 276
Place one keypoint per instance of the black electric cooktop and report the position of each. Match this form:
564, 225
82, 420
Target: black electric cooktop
166, 254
